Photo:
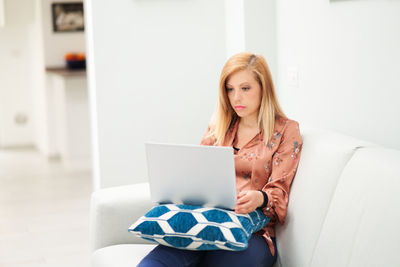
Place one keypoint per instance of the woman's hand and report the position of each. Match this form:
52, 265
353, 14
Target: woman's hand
248, 201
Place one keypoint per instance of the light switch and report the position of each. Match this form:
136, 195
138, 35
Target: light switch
293, 76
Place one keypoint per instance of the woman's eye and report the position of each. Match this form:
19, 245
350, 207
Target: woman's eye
246, 88
228, 89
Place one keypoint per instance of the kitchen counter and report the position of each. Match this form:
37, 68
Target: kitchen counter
65, 71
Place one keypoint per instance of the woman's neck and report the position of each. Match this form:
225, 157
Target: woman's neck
248, 122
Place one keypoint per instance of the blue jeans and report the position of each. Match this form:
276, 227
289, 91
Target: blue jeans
257, 254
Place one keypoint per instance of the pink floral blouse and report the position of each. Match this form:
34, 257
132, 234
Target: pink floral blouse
268, 167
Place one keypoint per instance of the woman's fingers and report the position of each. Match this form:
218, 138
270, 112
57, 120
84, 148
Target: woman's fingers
239, 206
246, 202
242, 199
245, 208
241, 194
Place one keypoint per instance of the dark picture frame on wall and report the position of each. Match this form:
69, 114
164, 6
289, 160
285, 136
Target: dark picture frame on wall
68, 17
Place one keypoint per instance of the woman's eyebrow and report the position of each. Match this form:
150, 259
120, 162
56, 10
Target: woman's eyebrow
239, 84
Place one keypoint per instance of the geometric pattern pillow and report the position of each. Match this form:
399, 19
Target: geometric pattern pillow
198, 228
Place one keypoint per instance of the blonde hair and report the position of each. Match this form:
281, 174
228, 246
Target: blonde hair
224, 115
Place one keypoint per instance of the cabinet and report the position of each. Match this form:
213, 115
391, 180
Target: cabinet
68, 117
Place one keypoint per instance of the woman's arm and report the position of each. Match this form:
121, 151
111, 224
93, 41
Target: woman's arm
284, 166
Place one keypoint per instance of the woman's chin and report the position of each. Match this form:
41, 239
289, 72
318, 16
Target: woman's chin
241, 114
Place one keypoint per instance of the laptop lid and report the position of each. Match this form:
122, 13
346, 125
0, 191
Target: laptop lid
191, 174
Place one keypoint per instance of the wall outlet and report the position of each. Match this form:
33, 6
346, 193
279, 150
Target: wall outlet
21, 118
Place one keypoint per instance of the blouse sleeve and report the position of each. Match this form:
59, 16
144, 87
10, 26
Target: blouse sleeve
284, 166
207, 140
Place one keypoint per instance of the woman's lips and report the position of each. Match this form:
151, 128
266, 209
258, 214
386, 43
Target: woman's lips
239, 107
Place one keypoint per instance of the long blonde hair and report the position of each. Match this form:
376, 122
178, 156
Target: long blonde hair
269, 111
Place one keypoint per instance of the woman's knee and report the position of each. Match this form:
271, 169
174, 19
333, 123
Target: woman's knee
162, 256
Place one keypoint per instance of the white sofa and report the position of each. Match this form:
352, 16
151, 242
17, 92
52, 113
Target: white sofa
343, 209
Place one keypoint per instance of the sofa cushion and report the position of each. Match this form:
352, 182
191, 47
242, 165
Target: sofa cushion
120, 255
198, 228
362, 225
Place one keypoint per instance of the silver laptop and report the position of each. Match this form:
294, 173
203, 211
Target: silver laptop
191, 174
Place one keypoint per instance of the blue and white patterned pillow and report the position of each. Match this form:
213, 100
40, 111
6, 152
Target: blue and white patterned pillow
198, 228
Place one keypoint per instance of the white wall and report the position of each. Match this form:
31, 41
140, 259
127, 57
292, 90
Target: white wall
37, 71
15, 74
251, 26
348, 61
2, 13
260, 30
153, 76
234, 30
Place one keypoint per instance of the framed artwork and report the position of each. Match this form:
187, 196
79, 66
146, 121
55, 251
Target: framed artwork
68, 17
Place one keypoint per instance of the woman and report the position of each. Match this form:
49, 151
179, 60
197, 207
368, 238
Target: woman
267, 147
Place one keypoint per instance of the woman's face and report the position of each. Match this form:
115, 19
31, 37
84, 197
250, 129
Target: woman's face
244, 94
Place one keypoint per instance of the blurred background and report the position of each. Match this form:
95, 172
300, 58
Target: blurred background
83, 84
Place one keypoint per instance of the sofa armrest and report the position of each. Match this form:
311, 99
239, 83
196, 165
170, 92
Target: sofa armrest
113, 210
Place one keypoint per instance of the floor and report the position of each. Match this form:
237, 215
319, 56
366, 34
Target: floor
44, 212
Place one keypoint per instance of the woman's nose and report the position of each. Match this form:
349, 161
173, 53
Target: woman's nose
237, 95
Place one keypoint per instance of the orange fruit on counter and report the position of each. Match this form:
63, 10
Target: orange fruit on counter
75, 56
80, 56
70, 56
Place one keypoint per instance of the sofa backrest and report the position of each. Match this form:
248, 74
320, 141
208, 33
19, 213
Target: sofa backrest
362, 227
324, 157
